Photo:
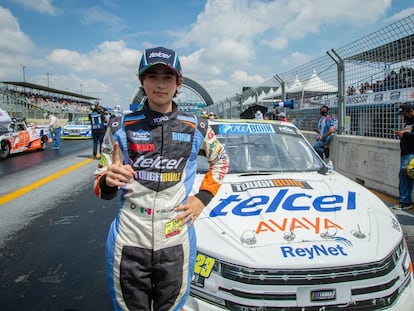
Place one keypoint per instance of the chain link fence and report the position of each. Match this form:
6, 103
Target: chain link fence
363, 83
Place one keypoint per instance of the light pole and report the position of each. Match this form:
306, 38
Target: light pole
229, 100
81, 88
24, 75
47, 75
282, 85
241, 97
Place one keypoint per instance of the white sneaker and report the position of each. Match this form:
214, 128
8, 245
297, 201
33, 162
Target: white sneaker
402, 206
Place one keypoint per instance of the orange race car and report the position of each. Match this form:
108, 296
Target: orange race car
20, 136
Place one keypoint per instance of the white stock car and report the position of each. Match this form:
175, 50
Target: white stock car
80, 128
286, 233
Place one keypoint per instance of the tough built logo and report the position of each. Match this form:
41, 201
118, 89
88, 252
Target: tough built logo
269, 183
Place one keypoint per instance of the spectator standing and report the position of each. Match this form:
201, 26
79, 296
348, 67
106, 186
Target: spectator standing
326, 127
258, 115
98, 123
282, 117
151, 245
55, 128
405, 186
275, 114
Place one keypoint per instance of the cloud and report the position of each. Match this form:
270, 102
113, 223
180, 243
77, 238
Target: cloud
295, 58
15, 46
41, 6
245, 79
400, 15
97, 15
231, 33
109, 58
110, 69
230, 44
276, 43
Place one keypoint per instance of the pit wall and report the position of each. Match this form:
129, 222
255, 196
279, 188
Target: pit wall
373, 162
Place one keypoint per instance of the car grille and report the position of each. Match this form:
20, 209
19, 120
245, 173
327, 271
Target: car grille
312, 276
73, 132
373, 286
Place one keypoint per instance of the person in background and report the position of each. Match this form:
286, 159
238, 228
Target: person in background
406, 135
258, 115
5, 119
268, 116
98, 121
55, 129
326, 127
282, 117
275, 114
152, 160
107, 116
211, 116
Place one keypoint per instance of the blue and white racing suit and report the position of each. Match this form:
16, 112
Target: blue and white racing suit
150, 255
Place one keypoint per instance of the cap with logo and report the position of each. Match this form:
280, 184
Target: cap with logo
405, 108
159, 55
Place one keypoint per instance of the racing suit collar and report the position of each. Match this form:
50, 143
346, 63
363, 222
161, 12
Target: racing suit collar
155, 118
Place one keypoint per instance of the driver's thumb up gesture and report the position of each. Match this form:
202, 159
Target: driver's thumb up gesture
118, 174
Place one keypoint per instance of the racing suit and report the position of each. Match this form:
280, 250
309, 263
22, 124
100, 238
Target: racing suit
150, 255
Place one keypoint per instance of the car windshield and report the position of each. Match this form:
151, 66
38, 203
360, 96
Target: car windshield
275, 148
80, 121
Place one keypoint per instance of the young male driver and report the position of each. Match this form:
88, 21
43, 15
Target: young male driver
151, 245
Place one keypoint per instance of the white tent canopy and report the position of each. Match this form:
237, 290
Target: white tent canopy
313, 86
273, 93
249, 100
316, 84
295, 87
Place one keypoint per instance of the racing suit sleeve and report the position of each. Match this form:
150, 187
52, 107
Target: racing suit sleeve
219, 163
101, 189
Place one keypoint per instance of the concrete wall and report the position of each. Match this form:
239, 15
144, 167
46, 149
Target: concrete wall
374, 162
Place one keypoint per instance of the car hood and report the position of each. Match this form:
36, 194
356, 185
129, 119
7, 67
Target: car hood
296, 220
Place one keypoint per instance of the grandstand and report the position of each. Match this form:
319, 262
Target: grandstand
29, 100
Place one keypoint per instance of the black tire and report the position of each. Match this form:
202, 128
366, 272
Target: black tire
44, 143
4, 150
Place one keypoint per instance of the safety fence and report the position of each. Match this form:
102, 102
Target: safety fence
363, 83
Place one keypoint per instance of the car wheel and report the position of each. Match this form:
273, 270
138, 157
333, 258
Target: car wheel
5, 150
44, 143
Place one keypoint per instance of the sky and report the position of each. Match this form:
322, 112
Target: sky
93, 47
